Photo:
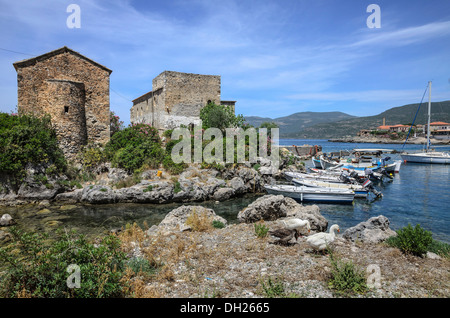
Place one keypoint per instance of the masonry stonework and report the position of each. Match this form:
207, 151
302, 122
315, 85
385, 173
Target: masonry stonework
176, 99
73, 90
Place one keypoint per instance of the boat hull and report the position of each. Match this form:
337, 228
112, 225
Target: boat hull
360, 191
305, 194
426, 158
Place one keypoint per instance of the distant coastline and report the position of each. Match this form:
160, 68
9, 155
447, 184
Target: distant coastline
415, 141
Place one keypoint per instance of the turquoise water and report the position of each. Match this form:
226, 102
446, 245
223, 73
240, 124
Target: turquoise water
419, 193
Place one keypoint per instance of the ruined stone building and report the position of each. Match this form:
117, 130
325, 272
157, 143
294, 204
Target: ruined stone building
73, 90
176, 99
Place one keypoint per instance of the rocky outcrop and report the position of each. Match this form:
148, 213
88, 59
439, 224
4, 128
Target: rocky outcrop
374, 230
268, 208
176, 220
274, 207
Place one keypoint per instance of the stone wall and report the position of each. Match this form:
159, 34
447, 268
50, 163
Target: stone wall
73, 89
176, 99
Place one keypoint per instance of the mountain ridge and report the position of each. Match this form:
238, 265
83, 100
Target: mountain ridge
350, 125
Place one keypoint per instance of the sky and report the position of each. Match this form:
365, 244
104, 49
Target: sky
275, 58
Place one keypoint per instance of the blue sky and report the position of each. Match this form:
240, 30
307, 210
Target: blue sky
275, 58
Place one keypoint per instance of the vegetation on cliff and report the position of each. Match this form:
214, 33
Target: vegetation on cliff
27, 140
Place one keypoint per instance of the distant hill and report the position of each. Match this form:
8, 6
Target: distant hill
326, 125
440, 111
294, 123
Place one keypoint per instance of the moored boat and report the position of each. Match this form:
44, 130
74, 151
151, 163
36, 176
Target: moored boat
309, 194
359, 189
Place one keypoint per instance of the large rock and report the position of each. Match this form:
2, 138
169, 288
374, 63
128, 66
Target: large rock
374, 230
223, 194
268, 207
98, 194
238, 185
175, 220
69, 197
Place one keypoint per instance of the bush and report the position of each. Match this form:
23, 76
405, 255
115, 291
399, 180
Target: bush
37, 268
91, 157
27, 140
411, 240
217, 224
134, 157
132, 136
115, 124
346, 277
261, 230
172, 167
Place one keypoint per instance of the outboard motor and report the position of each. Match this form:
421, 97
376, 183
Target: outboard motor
369, 186
345, 177
355, 176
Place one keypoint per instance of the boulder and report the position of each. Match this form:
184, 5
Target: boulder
223, 194
69, 197
238, 185
7, 220
374, 230
268, 207
175, 220
98, 194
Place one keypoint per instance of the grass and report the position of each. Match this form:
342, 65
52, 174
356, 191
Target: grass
199, 222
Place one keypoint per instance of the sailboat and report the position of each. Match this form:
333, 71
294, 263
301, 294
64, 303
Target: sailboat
427, 156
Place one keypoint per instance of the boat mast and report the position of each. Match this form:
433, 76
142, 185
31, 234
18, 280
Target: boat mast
429, 115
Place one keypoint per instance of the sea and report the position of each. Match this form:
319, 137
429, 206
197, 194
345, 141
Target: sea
418, 194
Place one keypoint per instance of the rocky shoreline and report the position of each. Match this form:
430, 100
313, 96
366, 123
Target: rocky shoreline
234, 262
113, 185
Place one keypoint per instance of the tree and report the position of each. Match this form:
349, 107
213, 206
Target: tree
219, 116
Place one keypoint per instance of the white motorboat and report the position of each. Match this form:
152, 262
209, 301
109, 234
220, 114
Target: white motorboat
289, 175
309, 194
360, 190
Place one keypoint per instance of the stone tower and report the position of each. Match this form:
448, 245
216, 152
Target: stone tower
73, 90
176, 99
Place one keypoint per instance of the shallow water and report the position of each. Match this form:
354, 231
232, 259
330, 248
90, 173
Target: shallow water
420, 193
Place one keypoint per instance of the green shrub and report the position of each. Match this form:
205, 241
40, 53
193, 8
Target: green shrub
27, 140
91, 157
37, 267
440, 248
346, 277
172, 167
140, 265
411, 240
177, 187
261, 230
217, 224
